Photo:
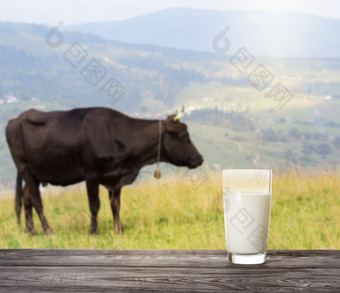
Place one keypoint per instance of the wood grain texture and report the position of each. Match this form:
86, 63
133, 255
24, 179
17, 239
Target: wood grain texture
166, 271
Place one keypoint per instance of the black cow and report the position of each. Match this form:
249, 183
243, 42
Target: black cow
98, 145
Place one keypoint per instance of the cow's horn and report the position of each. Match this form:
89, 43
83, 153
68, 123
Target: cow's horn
179, 115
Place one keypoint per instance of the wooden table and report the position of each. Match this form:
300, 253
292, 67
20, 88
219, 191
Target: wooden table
166, 271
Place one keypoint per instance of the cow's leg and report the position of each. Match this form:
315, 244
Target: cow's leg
38, 206
32, 198
28, 211
31, 191
115, 207
36, 202
93, 196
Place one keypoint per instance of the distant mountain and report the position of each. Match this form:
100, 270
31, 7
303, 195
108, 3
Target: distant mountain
288, 34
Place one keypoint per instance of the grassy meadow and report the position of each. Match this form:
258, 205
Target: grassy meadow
177, 213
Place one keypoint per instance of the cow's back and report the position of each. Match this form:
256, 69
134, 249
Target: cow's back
50, 143
57, 147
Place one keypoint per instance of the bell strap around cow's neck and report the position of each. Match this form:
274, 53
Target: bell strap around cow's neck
157, 173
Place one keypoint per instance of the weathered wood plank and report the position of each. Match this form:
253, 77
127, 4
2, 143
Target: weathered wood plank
168, 278
165, 271
159, 258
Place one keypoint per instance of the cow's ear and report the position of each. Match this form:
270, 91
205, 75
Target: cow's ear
100, 137
171, 118
173, 126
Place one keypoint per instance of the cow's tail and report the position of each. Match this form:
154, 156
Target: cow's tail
18, 197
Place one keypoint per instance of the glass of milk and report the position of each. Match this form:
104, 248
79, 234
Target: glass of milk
246, 197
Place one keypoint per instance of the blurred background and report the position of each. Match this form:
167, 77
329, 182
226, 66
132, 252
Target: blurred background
260, 81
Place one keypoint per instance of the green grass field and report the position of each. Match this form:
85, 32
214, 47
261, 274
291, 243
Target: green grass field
175, 213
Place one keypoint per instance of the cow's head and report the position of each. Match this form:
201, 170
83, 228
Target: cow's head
178, 147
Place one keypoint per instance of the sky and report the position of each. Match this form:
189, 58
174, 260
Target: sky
50, 12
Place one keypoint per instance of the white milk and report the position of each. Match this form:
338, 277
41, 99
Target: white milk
246, 219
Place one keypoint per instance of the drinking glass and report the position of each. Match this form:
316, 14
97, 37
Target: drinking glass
246, 200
